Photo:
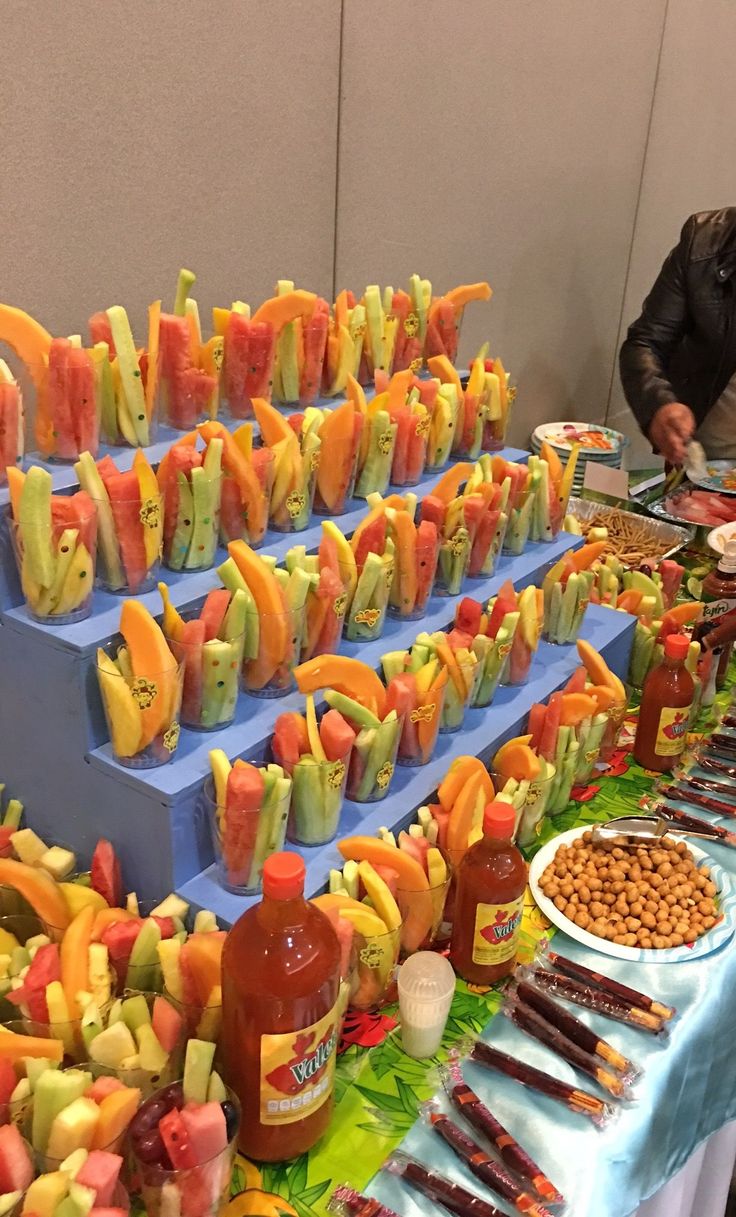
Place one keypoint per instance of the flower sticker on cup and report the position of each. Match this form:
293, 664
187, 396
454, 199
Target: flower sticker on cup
385, 440
384, 775
150, 513
504, 650
339, 605
144, 692
315, 459
218, 354
423, 714
295, 504
371, 955
411, 325
422, 427
458, 544
416, 365
368, 616
171, 738
336, 775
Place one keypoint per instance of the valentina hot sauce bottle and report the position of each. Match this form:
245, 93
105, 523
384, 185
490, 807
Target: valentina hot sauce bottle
664, 713
281, 1016
491, 881
718, 596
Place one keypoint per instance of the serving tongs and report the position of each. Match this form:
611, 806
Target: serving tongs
650, 829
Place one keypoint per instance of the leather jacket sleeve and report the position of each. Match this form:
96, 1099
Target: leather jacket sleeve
655, 335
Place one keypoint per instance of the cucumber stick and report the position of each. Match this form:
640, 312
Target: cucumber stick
130, 373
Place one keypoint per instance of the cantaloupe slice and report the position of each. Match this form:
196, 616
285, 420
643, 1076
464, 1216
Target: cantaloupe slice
369, 849
549, 455
441, 367
398, 387
354, 393
466, 293
466, 813
14, 1047
152, 661
603, 695
28, 338
576, 707
460, 771
273, 424
116, 1111
345, 675
274, 646
516, 759
39, 889
280, 310
597, 668
448, 487
74, 959
583, 558
237, 465
16, 480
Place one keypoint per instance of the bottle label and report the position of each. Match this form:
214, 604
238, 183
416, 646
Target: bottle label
672, 731
496, 931
713, 610
298, 1070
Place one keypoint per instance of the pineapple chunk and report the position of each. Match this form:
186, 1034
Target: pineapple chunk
168, 955
57, 861
99, 973
28, 846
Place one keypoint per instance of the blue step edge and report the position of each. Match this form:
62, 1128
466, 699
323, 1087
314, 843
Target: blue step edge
483, 732
255, 717
83, 637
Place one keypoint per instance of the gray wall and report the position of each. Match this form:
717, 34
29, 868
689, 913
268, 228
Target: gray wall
553, 148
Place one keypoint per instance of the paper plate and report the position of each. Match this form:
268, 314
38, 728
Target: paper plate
717, 537
721, 477
715, 938
563, 435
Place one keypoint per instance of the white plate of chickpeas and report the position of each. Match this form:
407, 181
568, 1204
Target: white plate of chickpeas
659, 903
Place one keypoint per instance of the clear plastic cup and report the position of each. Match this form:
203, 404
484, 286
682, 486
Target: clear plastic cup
452, 564
188, 394
373, 762
141, 741
199, 1191
426, 988
291, 508
129, 549
457, 700
317, 794
211, 681
200, 1022
561, 626
423, 915
531, 803
191, 537
366, 616
61, 397
243, 840
420, 730
616, 718
270, 671
427, 557
60, 592
145, 1080
240, 520
331, 495
377, 955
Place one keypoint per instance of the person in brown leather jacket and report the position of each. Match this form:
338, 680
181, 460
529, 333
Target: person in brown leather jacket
678, 362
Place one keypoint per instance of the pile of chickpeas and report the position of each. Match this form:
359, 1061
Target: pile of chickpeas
650, 897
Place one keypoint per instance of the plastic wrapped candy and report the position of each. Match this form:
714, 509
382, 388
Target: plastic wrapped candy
575, 1030
439, 1189
577, 970
571, 1097
346, 1202
581, 993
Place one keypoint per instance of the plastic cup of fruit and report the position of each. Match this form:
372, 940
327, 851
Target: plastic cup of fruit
211, 685
560, 635
235, 523
531, 812
270, 673
373, 762
22, 926
199, 1191
188, 549
341, 454
494, 434
616, 716
364, 622
420, 730
68, 597
414, 471
293, 512
200, 1022
70, 1034
146, 690
146, 1080
145, 520
234, 838
317, 794
425, 908
427, 557
373, 981
453, 711
452, 564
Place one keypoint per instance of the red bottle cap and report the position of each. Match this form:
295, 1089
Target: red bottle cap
283, 876
676, 646
499, 820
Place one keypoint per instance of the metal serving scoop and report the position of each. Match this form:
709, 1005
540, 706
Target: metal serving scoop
643, 830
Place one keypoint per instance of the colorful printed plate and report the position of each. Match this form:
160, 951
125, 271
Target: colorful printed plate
715, 938
564, 434
721, 477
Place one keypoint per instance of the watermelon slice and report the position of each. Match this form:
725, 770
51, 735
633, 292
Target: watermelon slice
100, 331
105, 874
119, 938
399, 465
289, 739
244, 799
401, 696
233, 519
235, 369
16, 1166
100, 1172
548, 742
467, 616
314, 338
167, 1024
205, 1124
123, 490
102, 1087
59, 407
190, 649
11, 426
506, 602
82, 400
433, 510
262, 352
336, 736
213, 612
416, 454
427, 550
483, 540
371, 540
182, 458
174, 363
535, 725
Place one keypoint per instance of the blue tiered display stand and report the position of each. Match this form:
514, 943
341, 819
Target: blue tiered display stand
54, 753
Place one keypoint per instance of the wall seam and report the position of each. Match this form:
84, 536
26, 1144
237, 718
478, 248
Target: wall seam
627, 275
337, 149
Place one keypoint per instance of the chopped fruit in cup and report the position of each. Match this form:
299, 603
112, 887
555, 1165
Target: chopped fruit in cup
190, 483
188, 368
443, 402
339, 433
211, 647
567, 733
567, 589
137, 1040
314, 588
356, 691
344, 347
248, 818
529, 604
491, 636
451, 653
471, 415
316, 757
377, 440
269, 650
560, 479
250, 345
295, 468
642, 592
412, 420
300, 352
12, 422
526, 781
16, 1168
445, 508
381, 330
247, 481
85, 1182
416, 552
141, 689
486, 517
55, 540
129, 521
72, 1111
410, 312
366, 566
444, 316
360, 897
422, 908
183, 1140
416, 689
191, 973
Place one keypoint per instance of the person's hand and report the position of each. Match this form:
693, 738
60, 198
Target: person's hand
671, 430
